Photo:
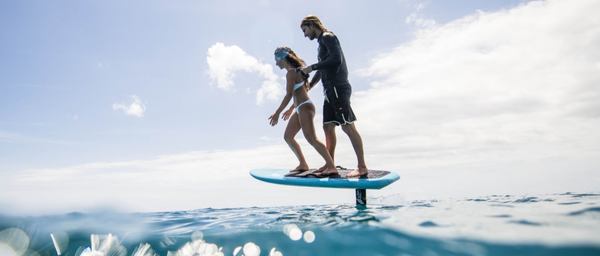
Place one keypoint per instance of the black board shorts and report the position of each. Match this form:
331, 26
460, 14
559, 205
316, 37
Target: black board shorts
336, 106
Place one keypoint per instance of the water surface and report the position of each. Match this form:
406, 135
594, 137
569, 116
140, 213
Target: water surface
559, 224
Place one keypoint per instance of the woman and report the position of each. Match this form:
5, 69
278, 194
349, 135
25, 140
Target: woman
304, 114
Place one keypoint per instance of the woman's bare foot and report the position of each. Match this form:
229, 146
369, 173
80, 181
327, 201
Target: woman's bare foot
328, 171
299, 169
321, 169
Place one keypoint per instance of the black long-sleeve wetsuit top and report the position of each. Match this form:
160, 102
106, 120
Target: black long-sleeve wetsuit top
332, 63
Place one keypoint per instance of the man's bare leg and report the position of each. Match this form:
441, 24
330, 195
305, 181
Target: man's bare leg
306, 121
330, 141
357, 144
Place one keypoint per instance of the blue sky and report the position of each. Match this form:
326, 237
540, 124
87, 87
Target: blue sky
439, 85
64, 64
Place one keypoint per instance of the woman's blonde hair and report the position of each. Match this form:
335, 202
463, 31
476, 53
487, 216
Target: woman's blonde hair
290, 56
312, 20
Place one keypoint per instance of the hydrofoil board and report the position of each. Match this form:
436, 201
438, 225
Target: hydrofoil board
375, 179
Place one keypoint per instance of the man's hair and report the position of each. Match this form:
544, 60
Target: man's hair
312, 20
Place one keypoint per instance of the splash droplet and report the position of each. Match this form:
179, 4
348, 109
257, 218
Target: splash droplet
309, 236
251, 249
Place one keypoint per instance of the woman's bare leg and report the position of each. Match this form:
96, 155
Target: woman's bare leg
292, 128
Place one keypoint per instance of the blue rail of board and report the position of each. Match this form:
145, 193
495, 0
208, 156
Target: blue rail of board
277, 176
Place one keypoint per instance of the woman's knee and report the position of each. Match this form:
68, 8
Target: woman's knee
312, 140
288, 137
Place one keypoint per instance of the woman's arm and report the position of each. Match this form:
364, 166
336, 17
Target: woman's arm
315, 79
288, 92
286, 99
288, 113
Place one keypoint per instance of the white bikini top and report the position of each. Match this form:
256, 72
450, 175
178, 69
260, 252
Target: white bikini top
298, 85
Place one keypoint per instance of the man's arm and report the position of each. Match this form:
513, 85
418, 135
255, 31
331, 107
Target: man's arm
334, 58
334, 50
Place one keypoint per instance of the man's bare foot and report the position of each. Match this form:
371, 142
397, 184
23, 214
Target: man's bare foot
360, 172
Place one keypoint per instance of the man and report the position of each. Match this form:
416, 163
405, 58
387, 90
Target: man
333, 73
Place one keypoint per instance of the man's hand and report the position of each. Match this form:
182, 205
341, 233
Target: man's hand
307, 70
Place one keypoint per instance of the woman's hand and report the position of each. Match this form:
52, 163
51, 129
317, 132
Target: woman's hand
273, 119
287, 114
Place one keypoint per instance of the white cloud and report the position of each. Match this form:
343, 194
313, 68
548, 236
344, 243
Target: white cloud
416, 17
11, 137
180, 181
136, 108
224, 62
502, 86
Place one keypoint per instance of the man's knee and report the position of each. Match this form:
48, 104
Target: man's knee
329, 128
349, 128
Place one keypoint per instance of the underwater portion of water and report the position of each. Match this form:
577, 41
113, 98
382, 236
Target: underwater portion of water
560, 224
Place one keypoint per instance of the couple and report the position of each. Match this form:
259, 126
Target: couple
332, 71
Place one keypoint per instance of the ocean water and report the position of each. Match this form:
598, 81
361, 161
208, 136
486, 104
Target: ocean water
555, 224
